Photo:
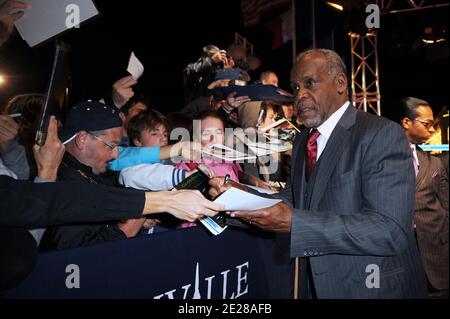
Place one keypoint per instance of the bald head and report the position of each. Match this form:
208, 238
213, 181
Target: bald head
269, 77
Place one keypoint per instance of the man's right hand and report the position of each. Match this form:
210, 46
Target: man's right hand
220, 56
122, 91
8, 132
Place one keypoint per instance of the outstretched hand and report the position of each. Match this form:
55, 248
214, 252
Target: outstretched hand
122, 91
277, 218
190, 205
8, 131
218, 186
10, 12
49, 156
232, 102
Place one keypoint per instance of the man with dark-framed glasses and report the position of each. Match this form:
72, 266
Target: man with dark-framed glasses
91, 133
431, 206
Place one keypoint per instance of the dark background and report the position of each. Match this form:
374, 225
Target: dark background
168, 35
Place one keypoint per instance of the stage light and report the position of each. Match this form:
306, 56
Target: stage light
433, 35
335, 5
427, 41
2, 80
412, 3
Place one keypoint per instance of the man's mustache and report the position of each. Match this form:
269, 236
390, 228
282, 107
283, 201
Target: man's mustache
305, 104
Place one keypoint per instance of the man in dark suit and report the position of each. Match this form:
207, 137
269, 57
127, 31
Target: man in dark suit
431, 212
349, 203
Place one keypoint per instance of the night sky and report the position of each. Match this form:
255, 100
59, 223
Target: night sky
166, 36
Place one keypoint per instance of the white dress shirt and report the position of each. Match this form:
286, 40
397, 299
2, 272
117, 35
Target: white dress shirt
327, 127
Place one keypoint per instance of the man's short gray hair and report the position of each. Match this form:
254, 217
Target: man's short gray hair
335, 64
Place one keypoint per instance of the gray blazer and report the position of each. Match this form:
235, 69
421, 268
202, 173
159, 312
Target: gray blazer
356, 212
431, 218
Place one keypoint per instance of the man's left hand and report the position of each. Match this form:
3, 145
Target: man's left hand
277, 218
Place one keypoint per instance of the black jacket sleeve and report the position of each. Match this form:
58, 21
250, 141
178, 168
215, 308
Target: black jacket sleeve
71, 236
202, 66
30, 205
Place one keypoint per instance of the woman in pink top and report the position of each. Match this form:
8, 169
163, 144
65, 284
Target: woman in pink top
213, 132
212, 128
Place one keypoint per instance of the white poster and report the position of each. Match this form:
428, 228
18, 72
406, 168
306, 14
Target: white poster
48, 18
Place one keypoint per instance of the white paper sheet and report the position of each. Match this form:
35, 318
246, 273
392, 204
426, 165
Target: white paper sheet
226, 153
275, 124
236, 199
135, 67
48, 18
261, 148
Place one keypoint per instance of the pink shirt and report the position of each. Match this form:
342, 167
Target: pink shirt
219, 169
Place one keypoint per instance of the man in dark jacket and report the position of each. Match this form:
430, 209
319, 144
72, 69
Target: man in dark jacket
198, 75
91, 133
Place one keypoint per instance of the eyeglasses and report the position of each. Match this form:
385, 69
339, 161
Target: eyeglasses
111, 147
426, 124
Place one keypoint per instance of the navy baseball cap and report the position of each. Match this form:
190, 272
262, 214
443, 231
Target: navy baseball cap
89, 116
229, 74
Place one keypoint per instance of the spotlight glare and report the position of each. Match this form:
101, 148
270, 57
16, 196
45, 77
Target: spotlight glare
335, 5
427, 41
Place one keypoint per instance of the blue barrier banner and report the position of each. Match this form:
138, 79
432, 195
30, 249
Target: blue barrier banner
182, 264
431, 148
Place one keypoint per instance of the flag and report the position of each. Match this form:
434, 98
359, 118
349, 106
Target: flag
281, 28
253, 9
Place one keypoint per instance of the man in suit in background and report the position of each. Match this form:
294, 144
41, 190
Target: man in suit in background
349, 201
431, 212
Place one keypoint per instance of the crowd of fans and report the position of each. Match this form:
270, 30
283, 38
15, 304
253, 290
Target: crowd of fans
128, 143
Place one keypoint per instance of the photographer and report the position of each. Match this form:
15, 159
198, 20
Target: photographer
198, 75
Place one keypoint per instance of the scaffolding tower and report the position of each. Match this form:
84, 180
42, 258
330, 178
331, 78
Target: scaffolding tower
393, 7
364, 51
365, 72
